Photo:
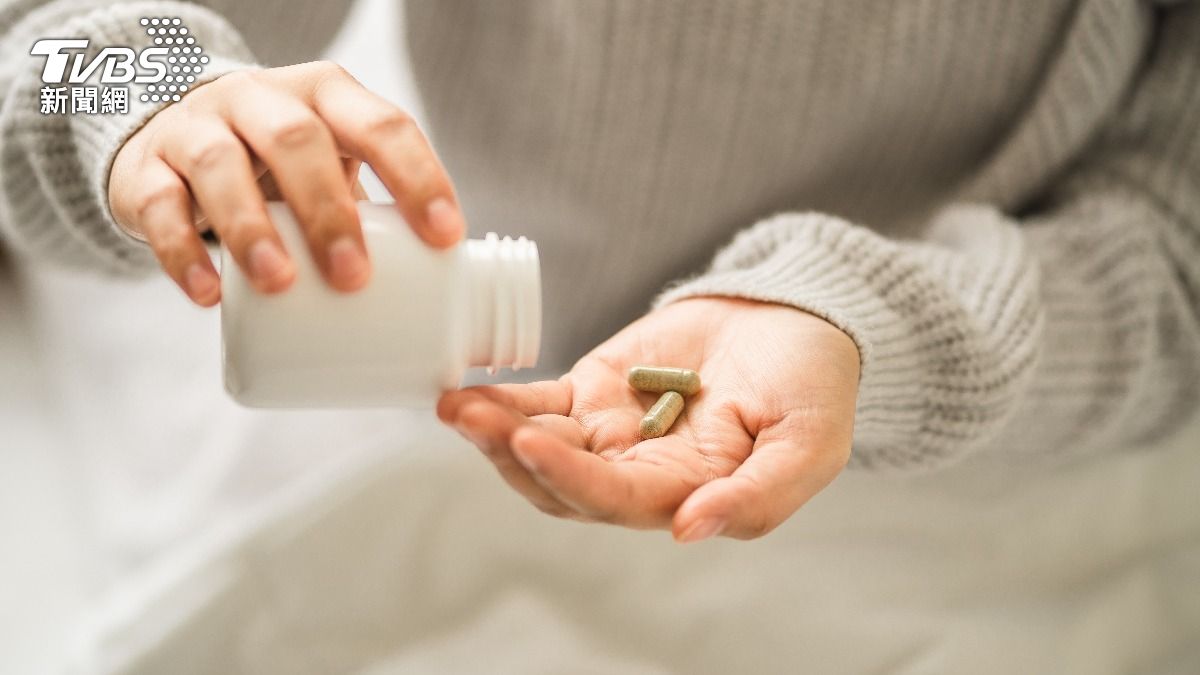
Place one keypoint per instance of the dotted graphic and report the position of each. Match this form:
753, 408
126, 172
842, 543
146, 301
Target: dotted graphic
185, 58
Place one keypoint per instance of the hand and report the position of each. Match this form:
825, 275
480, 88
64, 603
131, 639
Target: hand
771, 426
299, 132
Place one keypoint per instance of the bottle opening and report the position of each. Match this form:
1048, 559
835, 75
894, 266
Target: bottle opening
506, 302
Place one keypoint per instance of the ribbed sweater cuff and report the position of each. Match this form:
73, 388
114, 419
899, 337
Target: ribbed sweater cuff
65, 159
805, 264
936, 379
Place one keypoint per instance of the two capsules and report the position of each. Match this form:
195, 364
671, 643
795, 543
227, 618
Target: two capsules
674, 384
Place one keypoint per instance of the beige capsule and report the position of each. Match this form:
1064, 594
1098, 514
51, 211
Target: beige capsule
658, 380
662, 415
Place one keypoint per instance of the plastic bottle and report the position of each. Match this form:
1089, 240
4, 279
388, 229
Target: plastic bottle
410, 334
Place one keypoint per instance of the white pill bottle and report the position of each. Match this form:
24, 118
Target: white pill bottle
425, 317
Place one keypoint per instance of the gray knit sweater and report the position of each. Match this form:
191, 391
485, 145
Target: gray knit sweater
998, 200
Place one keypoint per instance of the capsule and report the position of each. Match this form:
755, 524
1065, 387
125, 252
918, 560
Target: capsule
662, 415
658, 380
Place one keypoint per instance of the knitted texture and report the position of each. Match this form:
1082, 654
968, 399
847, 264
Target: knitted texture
54, 168
1074, 327
998, 201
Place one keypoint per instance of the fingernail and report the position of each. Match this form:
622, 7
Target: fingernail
524, 459
444, 219
702, 529
466, 433
267, 261
201, 282
348, 262
474, 439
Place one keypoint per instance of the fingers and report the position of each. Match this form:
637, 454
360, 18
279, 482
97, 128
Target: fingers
490, 426
566, 428
308, 128
633, 494
163, 213
777, 479
540, 451
550, 397
215, 164
299, 150
371, 129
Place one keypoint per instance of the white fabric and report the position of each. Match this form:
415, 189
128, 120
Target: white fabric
387, 545
41, 533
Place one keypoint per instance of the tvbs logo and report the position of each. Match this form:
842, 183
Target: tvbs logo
117, 63
167, 69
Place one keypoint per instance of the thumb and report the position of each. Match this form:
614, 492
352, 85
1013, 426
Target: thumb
779, 477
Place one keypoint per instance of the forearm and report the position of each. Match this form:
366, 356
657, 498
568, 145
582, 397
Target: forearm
1074, 325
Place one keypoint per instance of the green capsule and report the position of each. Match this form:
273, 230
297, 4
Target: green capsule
662, 415
658, 380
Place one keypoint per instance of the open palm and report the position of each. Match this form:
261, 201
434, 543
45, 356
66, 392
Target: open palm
770, 427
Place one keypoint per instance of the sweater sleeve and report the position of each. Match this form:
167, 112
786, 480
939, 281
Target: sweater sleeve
54, 167
1071, 326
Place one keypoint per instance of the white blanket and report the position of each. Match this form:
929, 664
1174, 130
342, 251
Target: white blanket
224, 540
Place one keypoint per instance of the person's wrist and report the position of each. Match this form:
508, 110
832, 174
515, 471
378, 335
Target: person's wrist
840, 344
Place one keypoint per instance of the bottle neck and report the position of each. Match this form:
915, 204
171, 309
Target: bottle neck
505, 303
